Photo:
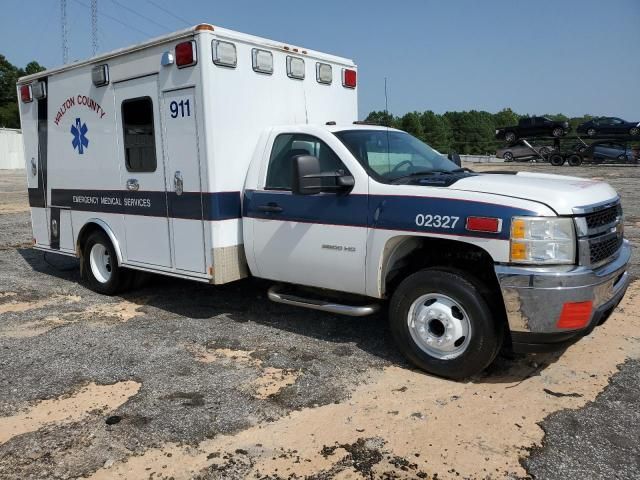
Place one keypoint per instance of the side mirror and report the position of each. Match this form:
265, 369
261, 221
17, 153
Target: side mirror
455, 158
306, 175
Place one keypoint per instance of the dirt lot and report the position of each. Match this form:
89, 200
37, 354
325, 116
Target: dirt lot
182, 380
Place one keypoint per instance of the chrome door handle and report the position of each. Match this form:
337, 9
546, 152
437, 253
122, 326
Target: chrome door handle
34, 168
178, 184
132, 184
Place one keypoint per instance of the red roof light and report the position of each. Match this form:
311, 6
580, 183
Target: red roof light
25, 93
349, 78
186, 54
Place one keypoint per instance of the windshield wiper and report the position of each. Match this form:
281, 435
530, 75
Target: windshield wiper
431, 172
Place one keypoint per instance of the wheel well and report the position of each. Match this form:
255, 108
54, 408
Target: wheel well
412, 254
91, 227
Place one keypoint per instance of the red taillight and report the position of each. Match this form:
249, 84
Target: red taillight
25, 93
575, 315
484, 224
349, 78
186, 54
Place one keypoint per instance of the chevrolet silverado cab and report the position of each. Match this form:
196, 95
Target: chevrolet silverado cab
213, 155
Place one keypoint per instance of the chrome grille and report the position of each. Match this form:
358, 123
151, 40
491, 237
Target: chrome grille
604, 247
604, 217
600, 233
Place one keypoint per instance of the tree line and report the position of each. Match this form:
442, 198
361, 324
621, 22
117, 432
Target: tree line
469, 132
9, 74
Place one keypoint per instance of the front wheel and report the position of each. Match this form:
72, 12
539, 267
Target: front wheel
442, 323
634, 132
557, 132
556, 160
507, 156
510, 137
100, 269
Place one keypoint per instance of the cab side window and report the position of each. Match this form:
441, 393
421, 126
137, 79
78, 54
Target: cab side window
139, 135
289, 145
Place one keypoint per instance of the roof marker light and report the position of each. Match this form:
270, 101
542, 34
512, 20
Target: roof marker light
25, 94
186, 54
204, 27
349, 78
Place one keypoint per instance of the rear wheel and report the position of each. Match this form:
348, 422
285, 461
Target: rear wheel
622, 158
556, 160
574, 160
635, 131
557, 132
100, 269
510, 137
507, 156
591, 132
442, 323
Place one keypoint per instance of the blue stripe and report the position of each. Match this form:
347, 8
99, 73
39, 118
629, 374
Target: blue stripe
390, 212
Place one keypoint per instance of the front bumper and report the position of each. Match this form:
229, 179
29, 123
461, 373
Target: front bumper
534, 297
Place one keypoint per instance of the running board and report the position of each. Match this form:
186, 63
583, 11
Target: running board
276, 295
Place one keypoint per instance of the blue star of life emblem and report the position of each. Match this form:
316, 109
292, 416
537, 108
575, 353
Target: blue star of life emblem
79, 132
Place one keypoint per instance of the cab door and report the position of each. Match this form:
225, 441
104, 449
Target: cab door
142, 197
184, 191
315, 240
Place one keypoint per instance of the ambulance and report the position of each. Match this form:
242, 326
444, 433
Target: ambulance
212, 155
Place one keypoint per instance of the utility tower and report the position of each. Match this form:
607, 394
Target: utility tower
94, 25
63, 31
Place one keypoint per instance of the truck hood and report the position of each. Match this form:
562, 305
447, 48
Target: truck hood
560, 193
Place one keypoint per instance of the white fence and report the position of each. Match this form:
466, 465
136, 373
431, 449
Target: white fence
11, 149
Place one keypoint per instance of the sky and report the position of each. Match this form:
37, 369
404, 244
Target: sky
536, 57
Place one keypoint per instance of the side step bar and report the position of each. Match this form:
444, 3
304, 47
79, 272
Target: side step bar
276, 295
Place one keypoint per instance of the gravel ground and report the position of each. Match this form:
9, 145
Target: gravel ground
183, 380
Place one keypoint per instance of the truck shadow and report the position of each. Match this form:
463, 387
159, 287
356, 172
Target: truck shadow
246, 301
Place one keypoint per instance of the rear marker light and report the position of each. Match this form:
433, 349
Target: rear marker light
484, 224
349, 78
575, 315
186, 54
25, 94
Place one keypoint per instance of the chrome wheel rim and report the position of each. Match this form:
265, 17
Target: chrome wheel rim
439, 326
591, 132
634, 131
100, 262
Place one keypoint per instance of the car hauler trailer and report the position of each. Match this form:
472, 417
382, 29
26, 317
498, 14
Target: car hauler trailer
212, 155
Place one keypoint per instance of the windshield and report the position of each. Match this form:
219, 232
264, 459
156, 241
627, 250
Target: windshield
389, 155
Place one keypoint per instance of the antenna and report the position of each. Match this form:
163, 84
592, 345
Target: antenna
386, 97
94, 25
64, 31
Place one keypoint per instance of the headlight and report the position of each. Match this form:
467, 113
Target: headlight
546, 240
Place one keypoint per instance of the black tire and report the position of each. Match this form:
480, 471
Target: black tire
592, 132
114, 278
507, 156
557, 132
622, 158
574, 160
485, 333
556, 160
634, 132
510, 137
